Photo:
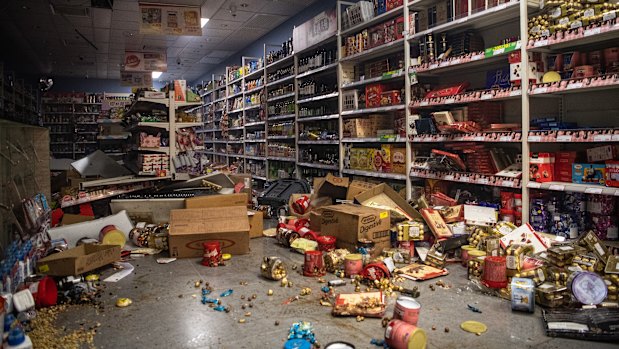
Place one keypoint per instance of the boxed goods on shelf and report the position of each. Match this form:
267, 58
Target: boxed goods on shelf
588, 173
542, 167
612, 173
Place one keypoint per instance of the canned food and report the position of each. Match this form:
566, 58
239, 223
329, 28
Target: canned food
273, 268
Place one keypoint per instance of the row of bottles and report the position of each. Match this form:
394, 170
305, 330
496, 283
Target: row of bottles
319, 59
281, 108
282, 129
281, 170
285, 51
282, 150
312, 88
280, 73
326, 156
281, 90
317, 111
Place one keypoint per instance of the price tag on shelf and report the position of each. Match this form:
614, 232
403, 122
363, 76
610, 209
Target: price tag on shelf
483, 181
433, 65
574, 85
535, 138
593, 191
558, 187
505, 139
455, 61
465, 179
486, 96
498, 52
615, 138
515, 93
616, 192
450, 101
477, 57
602, 138
539, 90
535, 185
508, 184
449, 177
479, 138
424, 103
564, 138
540, 43
593, 31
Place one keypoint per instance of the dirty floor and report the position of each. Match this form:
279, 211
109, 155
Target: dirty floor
167, 312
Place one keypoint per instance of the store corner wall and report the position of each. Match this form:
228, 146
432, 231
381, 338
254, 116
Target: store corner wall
276, 36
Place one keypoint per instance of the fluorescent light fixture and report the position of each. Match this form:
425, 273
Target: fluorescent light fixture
156, 74
203, 22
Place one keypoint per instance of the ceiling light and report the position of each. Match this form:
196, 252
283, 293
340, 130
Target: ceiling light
156, 74
203, 22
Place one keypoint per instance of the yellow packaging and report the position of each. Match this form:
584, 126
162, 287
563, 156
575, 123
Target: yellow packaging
514, 257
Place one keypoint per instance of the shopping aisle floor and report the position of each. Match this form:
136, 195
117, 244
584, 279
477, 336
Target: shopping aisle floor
167, 312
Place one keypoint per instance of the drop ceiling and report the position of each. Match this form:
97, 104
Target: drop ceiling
49, 44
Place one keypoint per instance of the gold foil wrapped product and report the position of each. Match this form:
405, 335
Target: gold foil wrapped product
334, 260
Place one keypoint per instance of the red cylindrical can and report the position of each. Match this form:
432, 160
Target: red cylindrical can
408, 245
407, 310
402, 335
353, 264
375, 271
495, 272
306, 233
212, 253
326, 243
301, 205
44, 292
314, 264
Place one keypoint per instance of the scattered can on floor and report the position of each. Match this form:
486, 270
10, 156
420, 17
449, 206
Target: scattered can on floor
110, 235
339, 345
326, 243
44, 291
314, 264
402, 335
375, 271
297, 343
588, 288
353, 264
334, 260
273, 268
407, 309
212, 253
523, 294
465, 254
495, 272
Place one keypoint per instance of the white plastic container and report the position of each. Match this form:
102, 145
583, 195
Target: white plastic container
23, 300
18, 340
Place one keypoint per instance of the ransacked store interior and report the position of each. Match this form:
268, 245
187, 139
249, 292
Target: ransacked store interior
305, 174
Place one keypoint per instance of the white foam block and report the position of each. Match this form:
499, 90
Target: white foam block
74, 232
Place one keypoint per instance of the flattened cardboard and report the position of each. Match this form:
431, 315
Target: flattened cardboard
357, 187
68, 219
209, 201
189, 228
383, 197
334, 187
79, 260
350, 223
256, 223
346, 304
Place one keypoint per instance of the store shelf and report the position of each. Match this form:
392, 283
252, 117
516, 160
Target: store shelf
59, 143
109, 193
599, 83
502, 13
162, 101
278, 158
391, 76
317, 70
499, 136
235, 111
206, 131
281, 137
236, 141
280, 81
259, 177
330, 40
109, 121
318, 98
575, 188
373, 110
374, 140
321, 166
254, 75
317, 118
282, 61
255, 89
235, 81
114, 137
251, 107
86, 142
477, 59
467, 177
60, 133
577, 37
234, 95
238, 128
188, 124
395, 176
375, 52
257, 123
574, 136
281, 117
273, 99
163, 125
374, 20
253, 157
165, 150
320, 142
220, 100
469, 97
206, 93
219, 141
255, 140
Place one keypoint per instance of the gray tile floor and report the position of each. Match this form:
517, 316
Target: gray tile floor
166, 315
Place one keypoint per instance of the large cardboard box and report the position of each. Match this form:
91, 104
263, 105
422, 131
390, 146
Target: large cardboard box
350, 223
68, 219
189, 228
357, 187
208, 201
256, 223
334, 187
385, 198
79, 260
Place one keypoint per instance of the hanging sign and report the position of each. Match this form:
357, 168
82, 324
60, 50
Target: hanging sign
136, 79
159, 19
317, 29
146, 61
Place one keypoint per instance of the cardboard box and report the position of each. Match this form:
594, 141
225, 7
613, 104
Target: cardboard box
316, 220
209, 201
351, 223
398, 160
79, 260
603, 153
68, 219
180, 90
189, 228
256, 223
383, 197
357, 187
588, 173
334, 187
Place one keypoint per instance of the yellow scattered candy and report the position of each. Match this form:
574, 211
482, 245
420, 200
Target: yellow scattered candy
226, 256
123, 302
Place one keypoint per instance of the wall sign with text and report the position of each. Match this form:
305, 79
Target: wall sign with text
161, 19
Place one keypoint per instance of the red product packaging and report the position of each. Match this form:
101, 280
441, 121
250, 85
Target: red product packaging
583, 71
440, 199
563, 165
448, 90
391, 4
612, 173
436, 223
541, 167
515, 57
399, 28
373, 95
507, 200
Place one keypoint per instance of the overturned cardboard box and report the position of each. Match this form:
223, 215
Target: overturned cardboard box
357, 187
331, 186
78, 260
256, 218
189, 228
385, 198
350, 223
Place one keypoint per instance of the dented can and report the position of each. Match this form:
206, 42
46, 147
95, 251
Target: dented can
273, 268
334, 260
314, 264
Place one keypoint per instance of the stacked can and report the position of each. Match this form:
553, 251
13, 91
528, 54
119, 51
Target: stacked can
314, 264
602, 218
